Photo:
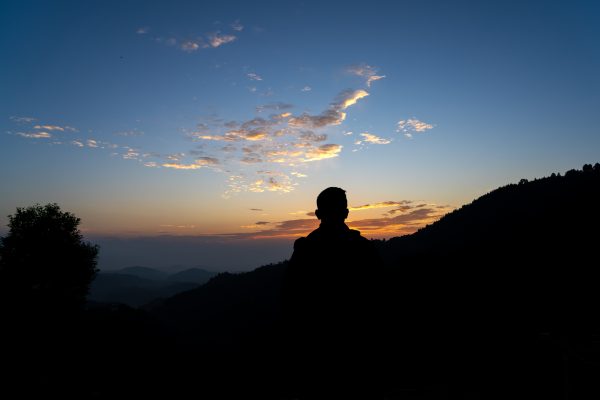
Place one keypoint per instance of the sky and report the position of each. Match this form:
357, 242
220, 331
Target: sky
201, 133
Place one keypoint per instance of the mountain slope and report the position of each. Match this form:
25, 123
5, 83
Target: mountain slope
494, 295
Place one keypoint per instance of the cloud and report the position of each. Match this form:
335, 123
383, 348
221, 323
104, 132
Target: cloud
50, 127
256, 122
142, 30
281, 116
199, 163
256, 209
323, 152
35, 135
129, 133
236, 26
281, 139
310, 136
189, 46
226, 138
216, 39
373, 139
306, 89
328, 117
271, 184
385, 226
332, 116
22, 120
176, 156
251, 160
277, 106
254, 77
348, 98
181, 166
131, 154
207, 161
382, 204
365, 71
412, 125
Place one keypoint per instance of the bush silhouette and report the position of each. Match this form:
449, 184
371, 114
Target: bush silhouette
45, 266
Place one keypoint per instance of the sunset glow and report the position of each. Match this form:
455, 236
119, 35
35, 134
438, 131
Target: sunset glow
227, 119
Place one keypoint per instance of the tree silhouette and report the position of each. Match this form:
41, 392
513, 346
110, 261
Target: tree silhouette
45, 266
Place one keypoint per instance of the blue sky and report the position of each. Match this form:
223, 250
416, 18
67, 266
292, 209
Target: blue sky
178, 118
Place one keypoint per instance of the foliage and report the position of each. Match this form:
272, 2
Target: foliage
44, 262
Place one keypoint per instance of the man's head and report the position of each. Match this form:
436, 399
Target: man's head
332, 205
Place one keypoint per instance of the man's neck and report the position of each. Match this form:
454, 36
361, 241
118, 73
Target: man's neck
333, 225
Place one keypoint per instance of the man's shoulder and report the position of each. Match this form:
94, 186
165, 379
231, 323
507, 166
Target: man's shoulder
299, 242
355, 235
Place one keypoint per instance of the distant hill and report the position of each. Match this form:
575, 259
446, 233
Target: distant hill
143, 272
138, 285
196, 275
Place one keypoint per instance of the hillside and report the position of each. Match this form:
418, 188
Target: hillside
136, 286
491, 291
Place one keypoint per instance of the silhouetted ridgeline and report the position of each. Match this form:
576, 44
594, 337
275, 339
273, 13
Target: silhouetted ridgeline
136, 286
498, 299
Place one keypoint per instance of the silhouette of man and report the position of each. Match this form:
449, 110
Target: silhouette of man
331, 305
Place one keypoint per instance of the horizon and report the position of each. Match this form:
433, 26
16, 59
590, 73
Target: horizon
181, 132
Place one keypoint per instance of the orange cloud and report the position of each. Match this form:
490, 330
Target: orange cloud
35, 135
398, 225
373, 139
323, 152
383, 204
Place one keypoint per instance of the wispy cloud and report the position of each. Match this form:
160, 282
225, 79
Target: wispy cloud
35, 135
332, 116
181, 166
130, 154
373, 139
279, 140
22, 120
306, 89
206, 161
194, 43
237, 26
310, 136
254, 77
277, 106
323, 152
190, 46
412, 125
131, 132
217, 39
349, 98
55, 128
382, 204
365, 71
412, 219
199, 163
142, 30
